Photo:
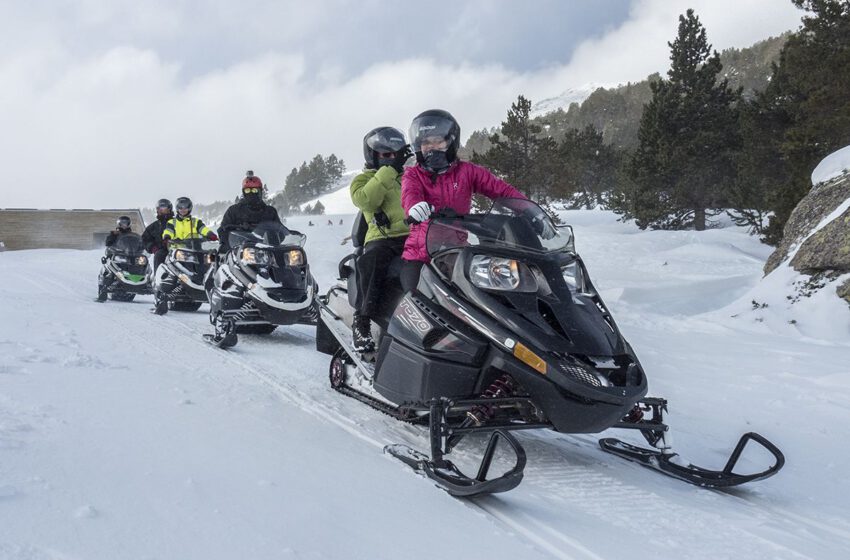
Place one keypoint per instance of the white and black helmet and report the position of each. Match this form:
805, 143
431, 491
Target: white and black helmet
435, 123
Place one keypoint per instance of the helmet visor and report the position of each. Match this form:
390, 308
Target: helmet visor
184, 204
432, 133
123, 222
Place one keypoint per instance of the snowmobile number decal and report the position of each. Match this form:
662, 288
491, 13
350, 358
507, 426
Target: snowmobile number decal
412, 318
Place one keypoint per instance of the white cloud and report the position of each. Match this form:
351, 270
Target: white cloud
126, 126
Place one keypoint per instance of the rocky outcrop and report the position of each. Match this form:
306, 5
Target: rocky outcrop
826, 252
828, 249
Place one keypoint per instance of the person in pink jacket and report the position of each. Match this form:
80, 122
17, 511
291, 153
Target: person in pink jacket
439, 181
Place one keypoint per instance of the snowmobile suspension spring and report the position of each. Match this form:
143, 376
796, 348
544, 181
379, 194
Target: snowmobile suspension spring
502, 387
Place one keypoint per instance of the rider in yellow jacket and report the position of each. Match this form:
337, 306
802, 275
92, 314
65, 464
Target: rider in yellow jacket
184, 226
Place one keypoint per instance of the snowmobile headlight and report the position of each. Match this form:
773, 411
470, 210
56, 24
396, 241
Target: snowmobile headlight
119, 259
294, 258
252, 255
499, 273
185, 256
141, 260
573, 277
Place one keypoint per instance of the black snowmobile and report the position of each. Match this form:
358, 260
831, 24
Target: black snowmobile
125, 270
179, 280
505, 331
262, 281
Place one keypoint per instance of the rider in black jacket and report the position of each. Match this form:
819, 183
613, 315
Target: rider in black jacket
152, 236
248, 212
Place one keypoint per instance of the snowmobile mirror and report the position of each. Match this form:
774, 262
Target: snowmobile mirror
568, 231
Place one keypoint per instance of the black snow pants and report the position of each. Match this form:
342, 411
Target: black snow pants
372, 268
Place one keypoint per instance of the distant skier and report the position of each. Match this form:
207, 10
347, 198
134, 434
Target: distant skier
152, 236
122, 227
249, 211
377, 193
439, 181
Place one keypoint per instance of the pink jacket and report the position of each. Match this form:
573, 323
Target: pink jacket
453, 189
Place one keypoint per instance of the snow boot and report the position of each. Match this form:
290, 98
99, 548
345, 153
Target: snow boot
361, 331
160, 303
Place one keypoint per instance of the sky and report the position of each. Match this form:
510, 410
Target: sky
117, 104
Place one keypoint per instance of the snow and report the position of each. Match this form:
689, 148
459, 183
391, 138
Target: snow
124, 435
566, 98
832, 166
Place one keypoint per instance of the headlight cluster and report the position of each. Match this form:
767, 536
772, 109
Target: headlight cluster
119, 259
499, 273
251, 255
185, 256
294, 258
141, 260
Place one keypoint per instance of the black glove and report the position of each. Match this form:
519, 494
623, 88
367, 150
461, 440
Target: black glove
401, 158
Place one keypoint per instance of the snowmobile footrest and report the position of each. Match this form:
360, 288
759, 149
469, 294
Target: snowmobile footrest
671, 465
453, 481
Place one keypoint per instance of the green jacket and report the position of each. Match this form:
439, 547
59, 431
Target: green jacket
375, 190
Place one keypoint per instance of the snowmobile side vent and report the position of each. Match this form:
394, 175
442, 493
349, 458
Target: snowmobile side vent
577, 372
436, 318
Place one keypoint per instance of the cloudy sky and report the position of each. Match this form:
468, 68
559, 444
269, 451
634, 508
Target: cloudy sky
117, 103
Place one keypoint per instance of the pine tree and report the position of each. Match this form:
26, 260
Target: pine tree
688, 139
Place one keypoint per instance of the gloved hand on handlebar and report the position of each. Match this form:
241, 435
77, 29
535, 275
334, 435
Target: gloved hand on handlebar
212, 236
401, 158
420, 212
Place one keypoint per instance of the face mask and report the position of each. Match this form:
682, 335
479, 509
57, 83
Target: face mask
436, 161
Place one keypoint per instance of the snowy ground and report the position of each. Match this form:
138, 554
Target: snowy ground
123, 435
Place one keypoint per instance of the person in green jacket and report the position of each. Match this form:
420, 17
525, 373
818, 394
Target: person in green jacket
377, 192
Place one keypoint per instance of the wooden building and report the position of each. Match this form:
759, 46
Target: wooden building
28, 228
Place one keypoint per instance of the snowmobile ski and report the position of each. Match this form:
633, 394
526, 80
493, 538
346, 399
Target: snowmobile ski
227, 341
671, 465
445, 474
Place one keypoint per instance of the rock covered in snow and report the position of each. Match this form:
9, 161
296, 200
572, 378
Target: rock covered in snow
816, 239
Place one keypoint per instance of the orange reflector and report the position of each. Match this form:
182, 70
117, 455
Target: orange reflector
525, 355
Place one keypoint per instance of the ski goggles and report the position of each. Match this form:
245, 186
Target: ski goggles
251, 190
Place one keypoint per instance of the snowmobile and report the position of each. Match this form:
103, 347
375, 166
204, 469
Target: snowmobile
262, 281
179, 280
125, 270
505, 331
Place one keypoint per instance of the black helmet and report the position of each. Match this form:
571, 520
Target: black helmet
435, 123
184, 202
384, 139
123, 223
164, 207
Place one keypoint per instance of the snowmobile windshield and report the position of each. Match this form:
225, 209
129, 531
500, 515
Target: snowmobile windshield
129, 244
511, 223
271, 234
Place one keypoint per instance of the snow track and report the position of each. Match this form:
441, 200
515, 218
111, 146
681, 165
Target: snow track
576, 502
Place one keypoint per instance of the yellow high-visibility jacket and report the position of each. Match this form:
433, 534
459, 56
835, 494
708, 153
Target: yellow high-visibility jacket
185, 228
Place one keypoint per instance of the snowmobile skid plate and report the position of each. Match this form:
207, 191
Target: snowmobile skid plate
671, 465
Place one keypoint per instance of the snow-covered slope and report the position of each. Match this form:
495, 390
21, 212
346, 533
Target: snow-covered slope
123, 435
565, 99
